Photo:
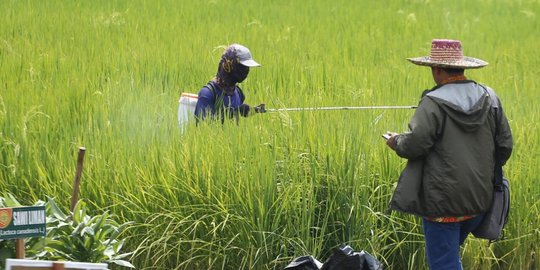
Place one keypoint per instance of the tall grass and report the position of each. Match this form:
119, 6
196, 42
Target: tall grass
107, 75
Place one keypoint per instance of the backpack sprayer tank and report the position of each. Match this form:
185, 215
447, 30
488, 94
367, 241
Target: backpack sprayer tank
186, 109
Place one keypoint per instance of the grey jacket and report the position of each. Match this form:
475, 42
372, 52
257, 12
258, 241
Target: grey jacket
451, 152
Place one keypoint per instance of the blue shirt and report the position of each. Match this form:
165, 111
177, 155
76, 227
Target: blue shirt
206, 102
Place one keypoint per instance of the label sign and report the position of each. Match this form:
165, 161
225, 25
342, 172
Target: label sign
22, 222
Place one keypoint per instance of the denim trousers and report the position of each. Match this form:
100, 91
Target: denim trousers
443, 241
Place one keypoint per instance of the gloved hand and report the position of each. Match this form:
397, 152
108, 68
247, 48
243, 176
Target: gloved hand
261, 108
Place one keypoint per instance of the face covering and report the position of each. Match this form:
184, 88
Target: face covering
240, 73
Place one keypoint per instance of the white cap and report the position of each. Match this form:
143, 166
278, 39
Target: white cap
244, 56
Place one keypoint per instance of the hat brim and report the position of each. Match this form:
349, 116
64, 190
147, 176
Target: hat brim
465, 63
250, 63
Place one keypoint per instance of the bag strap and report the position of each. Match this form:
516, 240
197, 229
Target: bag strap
496, 106
498, 178
218, 101
241, 94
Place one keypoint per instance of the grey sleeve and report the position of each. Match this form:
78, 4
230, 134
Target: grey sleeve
424, 127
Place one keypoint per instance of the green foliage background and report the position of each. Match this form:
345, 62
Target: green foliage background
107, 75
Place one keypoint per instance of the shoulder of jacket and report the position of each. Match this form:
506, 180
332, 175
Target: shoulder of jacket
207, 92
429, 100
210, 86
492, 95
207, 88
431, 106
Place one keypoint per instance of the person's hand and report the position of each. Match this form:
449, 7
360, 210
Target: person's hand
261, 108
391, 142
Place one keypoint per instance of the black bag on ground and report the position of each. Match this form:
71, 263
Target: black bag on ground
304, 263
345, 258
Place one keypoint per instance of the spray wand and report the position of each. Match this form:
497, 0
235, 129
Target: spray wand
340, 108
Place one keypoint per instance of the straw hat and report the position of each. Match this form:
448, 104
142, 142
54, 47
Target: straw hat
447, 53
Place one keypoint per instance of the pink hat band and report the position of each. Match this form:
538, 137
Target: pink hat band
447, 53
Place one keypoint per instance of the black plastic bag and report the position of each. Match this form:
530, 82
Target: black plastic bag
345, 258
304, 263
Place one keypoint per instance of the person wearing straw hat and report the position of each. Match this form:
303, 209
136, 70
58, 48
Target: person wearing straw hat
450, 148
222, 95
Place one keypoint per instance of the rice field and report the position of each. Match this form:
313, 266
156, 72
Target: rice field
107, 75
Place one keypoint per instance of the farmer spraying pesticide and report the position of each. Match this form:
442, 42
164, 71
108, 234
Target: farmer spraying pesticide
222, 98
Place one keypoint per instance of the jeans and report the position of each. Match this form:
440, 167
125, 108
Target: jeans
443, 241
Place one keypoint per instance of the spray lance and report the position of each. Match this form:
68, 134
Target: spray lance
337, 108
386, 136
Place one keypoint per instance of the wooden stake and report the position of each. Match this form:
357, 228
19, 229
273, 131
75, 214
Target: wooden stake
77, 181
19, 248
58, 266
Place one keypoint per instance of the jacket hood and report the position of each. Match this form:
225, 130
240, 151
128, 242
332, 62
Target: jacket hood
467, 103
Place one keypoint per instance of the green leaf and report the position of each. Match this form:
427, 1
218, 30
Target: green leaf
88, 231
123, 255
120, 229
79, 229
79, 212
99, 221
40, 203
10, 201
109, 252
89, 243
122, 263
118, 246
53, 208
